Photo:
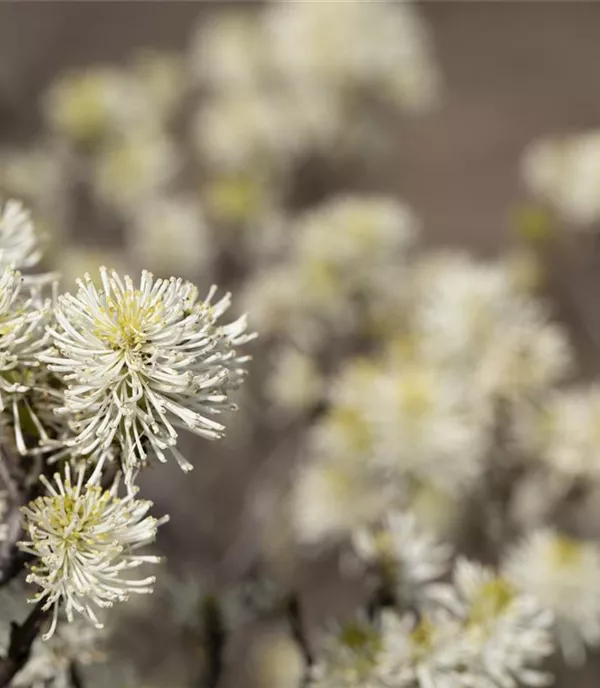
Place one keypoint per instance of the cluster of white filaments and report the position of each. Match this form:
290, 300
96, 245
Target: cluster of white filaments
476, 632
142, 361
562, 573
21, 333
111, 372
84, 539
19, 244
24, 313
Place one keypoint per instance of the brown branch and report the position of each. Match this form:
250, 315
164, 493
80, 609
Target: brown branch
214, 637
75, 675
22, 637
294, 615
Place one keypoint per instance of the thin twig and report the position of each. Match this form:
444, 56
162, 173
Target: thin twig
22, 637
294, 615
75, 676
214, 638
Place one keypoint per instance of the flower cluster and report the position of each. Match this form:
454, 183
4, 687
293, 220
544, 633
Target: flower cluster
480, 632
427, 390
140, 361
343, 254
564, 173
98, 382
85, 538
561, 572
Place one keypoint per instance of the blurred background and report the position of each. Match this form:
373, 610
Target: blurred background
178, 137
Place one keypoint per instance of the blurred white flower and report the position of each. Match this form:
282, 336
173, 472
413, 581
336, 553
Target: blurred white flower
274, 660
355, 235
565, 173
348, 657
169, 233
131, 170
50, 661
346, 253
426, 652
562, 573
472, 315
272, 297
392, 423
294, 383
229, 52
381, 47
427, 425
19, 244
248, 130
22, 321
84, 539
87, 105
409, 557
162, 78
141, 361
508, 631
331, 499
564, 432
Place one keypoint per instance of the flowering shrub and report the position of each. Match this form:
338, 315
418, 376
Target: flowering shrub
445, 455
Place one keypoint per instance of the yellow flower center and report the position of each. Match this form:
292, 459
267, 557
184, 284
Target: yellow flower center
493, 597
129, 322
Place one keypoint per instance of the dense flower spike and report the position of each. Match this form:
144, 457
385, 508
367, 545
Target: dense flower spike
508, 633
143, 361
409, 559
563, 172
19, 245
348, 658
50, 662
562, 573
22, 320
84, 539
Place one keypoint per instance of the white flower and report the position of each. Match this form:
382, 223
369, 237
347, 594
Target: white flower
130, 170
50, 661
84, 538
19, 246
564, 432
348, 658
426, 425
141, 361
272, 297
331, 499
244, 130
295, 383
274, 660
161, 76
342, 48
228, 52
430, 652
49, 665
565, 172
356, 233
562, 573
22, 321
170, 232
88, 104
411, 558
471, 315
508, 632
